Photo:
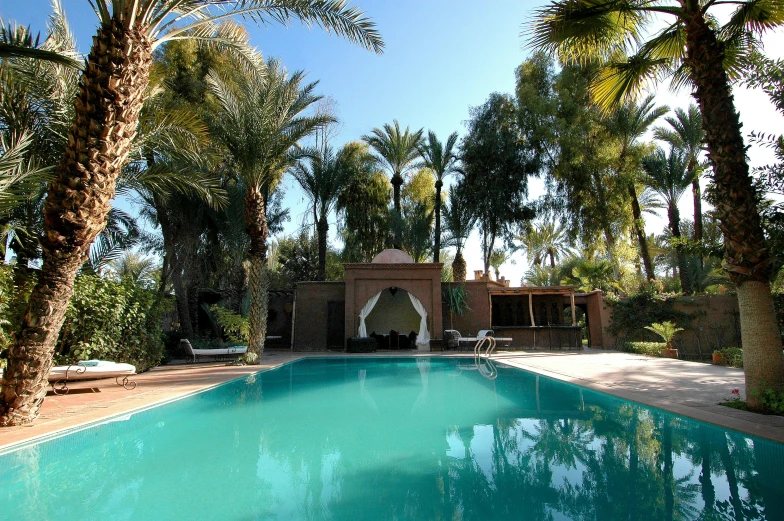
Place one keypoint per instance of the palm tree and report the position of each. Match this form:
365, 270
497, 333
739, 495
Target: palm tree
323, 177
628, 123
441, 158
399, 151
687, 134
667, 176
111, 94
547, 240
691, 47
259, 120
459, 222
136, 267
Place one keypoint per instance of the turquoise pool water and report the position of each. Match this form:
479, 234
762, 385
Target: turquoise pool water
396, 438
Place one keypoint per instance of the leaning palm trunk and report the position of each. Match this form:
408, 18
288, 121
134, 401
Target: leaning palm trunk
642, 240
747, 256
106, 114
459, 267
258, 274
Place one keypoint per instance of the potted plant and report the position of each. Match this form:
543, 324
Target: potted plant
456, 300
718, 358
667, 331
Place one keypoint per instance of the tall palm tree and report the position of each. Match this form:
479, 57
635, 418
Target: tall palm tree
691, 47
459, 221
687, 134
111, 94
399, 151
668, 176
323, 176
441, 158
260, 121
628, 123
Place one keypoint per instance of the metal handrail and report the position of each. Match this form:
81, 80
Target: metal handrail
488, 350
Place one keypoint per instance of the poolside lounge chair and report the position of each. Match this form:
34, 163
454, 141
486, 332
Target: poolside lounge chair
89, 370
223, 353
454, 339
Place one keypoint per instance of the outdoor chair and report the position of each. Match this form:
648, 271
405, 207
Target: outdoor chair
222, 353
457, 340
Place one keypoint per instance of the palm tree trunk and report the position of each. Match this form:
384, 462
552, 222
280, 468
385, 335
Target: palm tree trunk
748, 259
459, 267
181, 299
697, 196
107, 107
610, 239
437, 242
322, 228
675, 228
642, 240
258, 274
397, 180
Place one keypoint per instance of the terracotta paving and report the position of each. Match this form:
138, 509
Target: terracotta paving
686, 388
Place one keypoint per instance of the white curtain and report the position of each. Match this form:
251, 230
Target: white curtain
365, 312
423, 338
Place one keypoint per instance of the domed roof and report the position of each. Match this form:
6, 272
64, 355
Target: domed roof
392, 256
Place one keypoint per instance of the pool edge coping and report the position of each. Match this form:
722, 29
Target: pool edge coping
726, 421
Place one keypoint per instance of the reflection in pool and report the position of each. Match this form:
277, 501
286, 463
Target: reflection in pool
397, 438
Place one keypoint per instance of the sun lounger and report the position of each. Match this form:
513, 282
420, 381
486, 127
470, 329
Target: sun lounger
471, 341
225, 353
60, 375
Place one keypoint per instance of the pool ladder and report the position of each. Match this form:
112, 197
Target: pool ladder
482, 359
488, 349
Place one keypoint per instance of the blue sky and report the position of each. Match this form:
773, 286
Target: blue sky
441, 57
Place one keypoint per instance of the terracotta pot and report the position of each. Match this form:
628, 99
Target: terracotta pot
718, 359
670, 353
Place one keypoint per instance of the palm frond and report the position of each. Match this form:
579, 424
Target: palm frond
17, 41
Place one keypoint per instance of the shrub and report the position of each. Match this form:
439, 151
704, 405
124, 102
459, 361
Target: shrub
644, 348
110, 320
731, 356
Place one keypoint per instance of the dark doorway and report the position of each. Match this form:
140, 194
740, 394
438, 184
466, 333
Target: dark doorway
336, 323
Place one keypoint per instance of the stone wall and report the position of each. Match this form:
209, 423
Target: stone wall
714, 324
477, 318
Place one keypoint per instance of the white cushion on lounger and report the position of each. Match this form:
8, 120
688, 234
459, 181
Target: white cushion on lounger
103, 370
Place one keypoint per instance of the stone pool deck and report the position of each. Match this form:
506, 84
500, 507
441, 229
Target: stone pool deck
686, 388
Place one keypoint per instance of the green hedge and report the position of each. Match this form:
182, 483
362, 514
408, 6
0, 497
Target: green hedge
645, 348
110, 320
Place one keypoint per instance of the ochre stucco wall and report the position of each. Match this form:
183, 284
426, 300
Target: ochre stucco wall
310, 321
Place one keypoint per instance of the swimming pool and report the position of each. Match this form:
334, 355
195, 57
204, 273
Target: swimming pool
396, 438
